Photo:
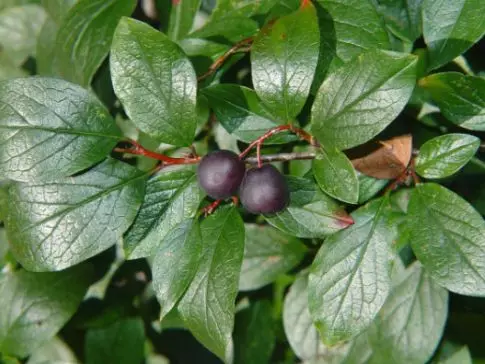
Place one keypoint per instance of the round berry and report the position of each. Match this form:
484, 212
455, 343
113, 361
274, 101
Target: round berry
264, 190
220, 173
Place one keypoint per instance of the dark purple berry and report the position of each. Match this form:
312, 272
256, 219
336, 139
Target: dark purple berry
220, 173
264, 190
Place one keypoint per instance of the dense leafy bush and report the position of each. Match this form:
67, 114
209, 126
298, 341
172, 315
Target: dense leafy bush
371, 249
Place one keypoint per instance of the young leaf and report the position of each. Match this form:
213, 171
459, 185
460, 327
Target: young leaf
122, 342
19, 28
361, 98
241, 112
267, 254
58, 224
284, 57
176, 264
409, 326
450, 27
182, 18
311, 213
335, 175
172, 197
207, 308
254, 334
403, 17
35, 306
155, 82
448, 237
445, 155
461, 98
350, 276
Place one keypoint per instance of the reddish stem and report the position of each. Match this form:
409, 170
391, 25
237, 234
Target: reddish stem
209, 209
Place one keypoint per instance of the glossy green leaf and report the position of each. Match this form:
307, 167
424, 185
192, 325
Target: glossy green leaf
155, 81
254, 334
121, 342
57, 224
175, 264
350, 276
350, 28
242, 113
172, 196
85, 36
451, 242
461, 98
58, 9
51, 128
450, 27
361, 98
232, 28
284, 57
445, 155
35, 306
409, 326
19, 28
207, 308
311, 213
461, 356
402, 17
8, 69
54, 351
243, 8
267, 254
182, 16
369, 187
335, 175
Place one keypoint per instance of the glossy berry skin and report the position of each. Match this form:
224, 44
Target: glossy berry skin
264, 190
220, 173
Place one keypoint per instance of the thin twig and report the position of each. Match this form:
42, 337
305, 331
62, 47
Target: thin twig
281, 157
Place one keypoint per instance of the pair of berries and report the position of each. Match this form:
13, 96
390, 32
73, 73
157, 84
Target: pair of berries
262, 190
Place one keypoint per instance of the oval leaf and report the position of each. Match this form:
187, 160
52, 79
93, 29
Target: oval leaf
172, 197
461, 98
350, 276
362, 97
403, 17
207, 308
409, 326
58, 224
445, 155
85, 36
283, 61
51, 128
267, 254
311, 213
450, 27
451, 242
35, 306
335, 175
155, 81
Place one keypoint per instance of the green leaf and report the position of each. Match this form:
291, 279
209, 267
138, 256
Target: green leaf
450, 27
176, 264
403, 17
155, 81
51, 128
182, 17
58, 224
54, 351
267, 254
242, 113
284, 57
350, 28
85, 35
254, 334
451, 242
335, 175
361, 98
311, 213
461, 98
35, 306
243, 8
8, 70
350, 276
409, 326
207, 308
369, 187
172, 197
233, 28
461, 356
121, 342
12, 3
19, 28
46, 61
445, 155
58, 9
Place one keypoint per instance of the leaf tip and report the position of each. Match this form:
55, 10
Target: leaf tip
344, 219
